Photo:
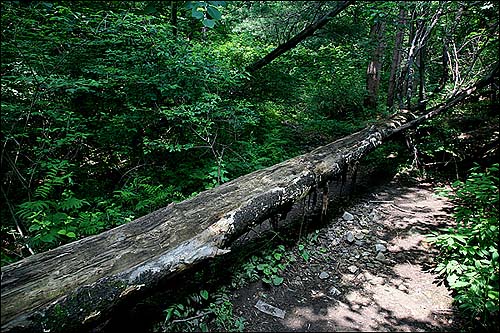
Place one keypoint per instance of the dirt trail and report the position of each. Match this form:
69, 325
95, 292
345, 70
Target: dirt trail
369, 270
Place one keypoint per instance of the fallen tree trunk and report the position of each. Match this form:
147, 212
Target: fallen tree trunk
72, 287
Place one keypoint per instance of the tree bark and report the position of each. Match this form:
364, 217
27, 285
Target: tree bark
396, 58
419, 35
421, 76
73, 287
375, 65
307, 32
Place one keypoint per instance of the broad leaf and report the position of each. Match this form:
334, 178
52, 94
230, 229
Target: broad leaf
209, 23
214, 13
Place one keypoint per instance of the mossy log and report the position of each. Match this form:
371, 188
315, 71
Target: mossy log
72, 287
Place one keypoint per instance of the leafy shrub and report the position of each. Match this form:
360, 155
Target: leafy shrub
269, 265
469, 251
199, 312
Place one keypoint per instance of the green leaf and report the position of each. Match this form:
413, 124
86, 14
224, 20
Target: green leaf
214, 13
459, 284
191, 4
49, 238
491, 306
197, 14
62, 232
204, 294
452, 279
71, 234
277, 280
493, 294
494, 255
150, 9
209, 23
217, 3
34, 227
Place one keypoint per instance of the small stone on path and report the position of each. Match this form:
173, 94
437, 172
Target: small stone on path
348, 216
359, 236
324, 275
352, 269
380, 248
349, 236
380, 256
269, 309
334, 291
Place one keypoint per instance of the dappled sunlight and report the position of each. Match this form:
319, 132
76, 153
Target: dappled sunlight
379, 280
407, 302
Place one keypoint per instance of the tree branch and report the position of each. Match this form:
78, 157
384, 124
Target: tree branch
307, 32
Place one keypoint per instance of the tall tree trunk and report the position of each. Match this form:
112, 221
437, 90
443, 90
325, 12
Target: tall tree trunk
419, 35
290, 44
445, 76
396, 57
375, 64
421, 77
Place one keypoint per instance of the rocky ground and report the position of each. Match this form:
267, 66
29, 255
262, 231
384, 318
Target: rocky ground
369, 269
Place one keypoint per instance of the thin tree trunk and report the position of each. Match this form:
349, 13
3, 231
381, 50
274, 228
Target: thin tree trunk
419, 34
375, 65
396, 57
421, 77
290, 44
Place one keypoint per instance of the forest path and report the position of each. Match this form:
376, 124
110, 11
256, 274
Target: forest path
369, 270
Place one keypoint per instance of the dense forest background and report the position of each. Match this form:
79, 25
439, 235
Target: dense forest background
113, 109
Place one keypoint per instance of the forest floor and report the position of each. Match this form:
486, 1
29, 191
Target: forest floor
369, 269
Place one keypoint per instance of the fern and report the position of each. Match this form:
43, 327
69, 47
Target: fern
72, 203
52, 178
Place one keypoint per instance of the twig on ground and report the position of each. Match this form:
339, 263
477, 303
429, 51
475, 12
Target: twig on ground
402, 210
191, 318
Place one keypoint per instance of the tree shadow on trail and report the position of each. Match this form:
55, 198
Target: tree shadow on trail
399, 293
363, 305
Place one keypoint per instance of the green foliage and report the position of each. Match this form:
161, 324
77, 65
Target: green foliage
53, 219
306, 246
388, 159
469, 251
206, 11
203, 312
267, 266
141, 197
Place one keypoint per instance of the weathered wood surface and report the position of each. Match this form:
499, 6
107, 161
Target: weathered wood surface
72, 287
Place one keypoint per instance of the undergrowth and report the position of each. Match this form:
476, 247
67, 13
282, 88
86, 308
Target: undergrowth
469, 251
